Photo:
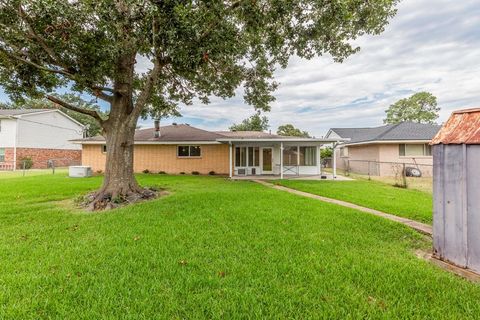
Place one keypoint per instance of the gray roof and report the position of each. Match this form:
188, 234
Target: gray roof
18, 112
184, 132
400, 131
248, 135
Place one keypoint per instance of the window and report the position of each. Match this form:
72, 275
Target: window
104, 148
2, 154
247, 156
290, 156
412, 150
189, 151
308, 156
344, 152
240, 156
253, 156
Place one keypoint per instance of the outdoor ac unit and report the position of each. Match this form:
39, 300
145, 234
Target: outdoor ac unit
242, 171
79, 171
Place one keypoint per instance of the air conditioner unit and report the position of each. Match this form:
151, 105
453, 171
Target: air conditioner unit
79, 171
242, 171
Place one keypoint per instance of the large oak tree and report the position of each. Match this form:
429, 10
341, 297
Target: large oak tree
190, 50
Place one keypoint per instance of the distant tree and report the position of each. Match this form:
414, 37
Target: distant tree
192, 49
326, 152
290, 130
420, 107
92, 126
254, 123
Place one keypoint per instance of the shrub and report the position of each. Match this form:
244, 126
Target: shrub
26, 162
195, 173
99, 171
212, 173
182, 172
146, 171
162, 172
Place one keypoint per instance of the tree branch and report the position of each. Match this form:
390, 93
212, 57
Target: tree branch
33, 64
94, 114
146, 93
23, 15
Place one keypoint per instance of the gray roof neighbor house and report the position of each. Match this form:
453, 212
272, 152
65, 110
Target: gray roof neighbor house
404, 131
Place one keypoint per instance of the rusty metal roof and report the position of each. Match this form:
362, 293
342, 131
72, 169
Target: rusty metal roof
463, 127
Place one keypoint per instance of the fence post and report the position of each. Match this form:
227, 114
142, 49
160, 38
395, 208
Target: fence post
404, 176
53, 166
23, 166
368, 163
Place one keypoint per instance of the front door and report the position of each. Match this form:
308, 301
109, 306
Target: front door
267, 160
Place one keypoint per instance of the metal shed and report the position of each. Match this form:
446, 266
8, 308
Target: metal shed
456, 190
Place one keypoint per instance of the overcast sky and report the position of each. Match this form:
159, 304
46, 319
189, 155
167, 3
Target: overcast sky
430, 45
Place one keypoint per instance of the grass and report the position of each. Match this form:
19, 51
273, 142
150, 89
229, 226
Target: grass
214, 248
408, 203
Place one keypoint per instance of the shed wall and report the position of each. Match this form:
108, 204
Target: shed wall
456, 217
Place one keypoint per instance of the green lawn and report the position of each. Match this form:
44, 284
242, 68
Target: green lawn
408, 203
214, 248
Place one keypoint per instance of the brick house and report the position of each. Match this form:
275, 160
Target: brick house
183, 148
378, 149
38, 134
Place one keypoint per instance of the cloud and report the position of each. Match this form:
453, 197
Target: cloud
431, 46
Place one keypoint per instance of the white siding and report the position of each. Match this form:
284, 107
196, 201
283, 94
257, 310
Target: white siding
49, 130
7, 133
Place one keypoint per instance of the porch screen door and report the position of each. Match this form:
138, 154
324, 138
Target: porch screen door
267, 154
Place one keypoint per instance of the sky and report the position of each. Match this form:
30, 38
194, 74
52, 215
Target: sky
430, 45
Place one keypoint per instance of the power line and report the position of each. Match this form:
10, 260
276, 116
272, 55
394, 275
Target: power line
48, 125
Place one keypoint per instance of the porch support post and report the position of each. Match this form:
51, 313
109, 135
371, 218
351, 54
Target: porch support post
230, 157
334, 161
319, 161
281, 160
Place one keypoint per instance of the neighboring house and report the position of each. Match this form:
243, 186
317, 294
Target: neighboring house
182, 148
377, 150
39, 134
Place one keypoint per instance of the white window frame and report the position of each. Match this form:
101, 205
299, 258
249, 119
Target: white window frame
405, 146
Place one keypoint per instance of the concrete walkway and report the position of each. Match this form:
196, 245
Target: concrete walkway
418, 226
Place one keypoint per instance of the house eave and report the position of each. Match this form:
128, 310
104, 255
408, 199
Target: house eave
101, 142
384, 142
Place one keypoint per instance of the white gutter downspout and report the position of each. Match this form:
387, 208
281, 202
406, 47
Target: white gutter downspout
319, 161
335, 160
281, 160
230, 163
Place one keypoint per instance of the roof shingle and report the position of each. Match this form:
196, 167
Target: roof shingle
400, 131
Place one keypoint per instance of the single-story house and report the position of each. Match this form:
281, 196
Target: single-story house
181, 148
41, 135
378, 150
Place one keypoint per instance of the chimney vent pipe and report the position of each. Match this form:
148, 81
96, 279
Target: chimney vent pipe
157, 128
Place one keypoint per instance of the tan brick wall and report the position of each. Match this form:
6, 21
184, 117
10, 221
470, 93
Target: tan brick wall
164, 158
61, 157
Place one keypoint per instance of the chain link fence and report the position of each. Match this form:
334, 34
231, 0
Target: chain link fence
26, 167
405, 175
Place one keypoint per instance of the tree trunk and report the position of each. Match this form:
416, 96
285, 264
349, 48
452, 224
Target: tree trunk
119, 184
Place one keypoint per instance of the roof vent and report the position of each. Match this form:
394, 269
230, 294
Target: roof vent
157, 128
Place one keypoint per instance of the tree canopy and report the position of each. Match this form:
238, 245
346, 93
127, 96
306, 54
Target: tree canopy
420, 107
290, 130
145, 57
253, 123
